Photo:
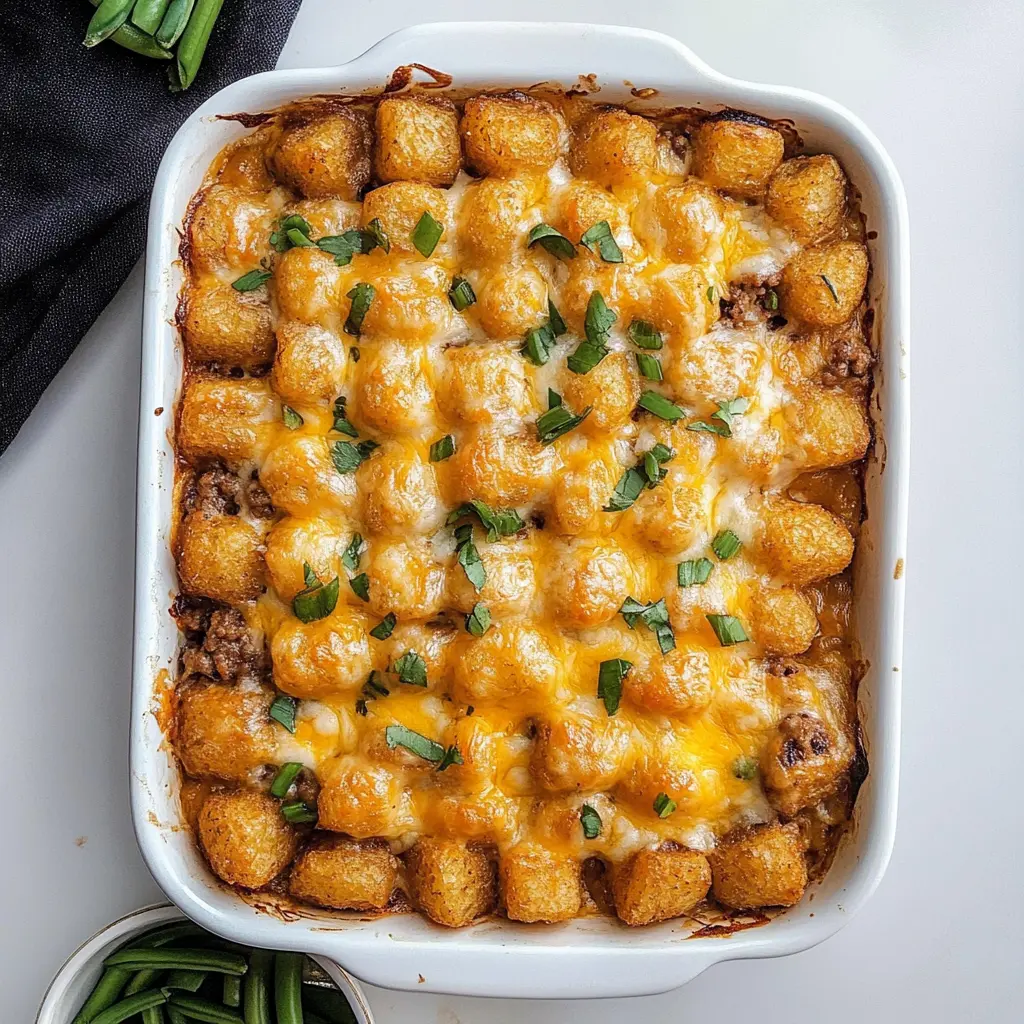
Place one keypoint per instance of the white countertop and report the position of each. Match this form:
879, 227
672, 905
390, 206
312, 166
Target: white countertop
942, 84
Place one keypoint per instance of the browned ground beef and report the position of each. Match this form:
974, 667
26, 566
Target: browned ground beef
217, 493
260, 505
232, 647
848, 356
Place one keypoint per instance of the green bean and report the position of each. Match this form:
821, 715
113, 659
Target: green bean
147, 14
203, 1009
154, 1015
193, 42
168, 934
178, 959
256, 988
329, 1004
231, 990
105, 994
288, 987
176, 1016
132, 39
108, 18
142, 981
174, 22
129, 1007
190, 981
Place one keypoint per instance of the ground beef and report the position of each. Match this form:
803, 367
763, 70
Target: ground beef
196, 662
848, 356
750, 302
217, 493
260, 505
232, 647
192, 614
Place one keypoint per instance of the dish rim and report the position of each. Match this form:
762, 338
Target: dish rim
503, 959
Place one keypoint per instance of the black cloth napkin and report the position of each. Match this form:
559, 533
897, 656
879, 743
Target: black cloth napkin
81, 135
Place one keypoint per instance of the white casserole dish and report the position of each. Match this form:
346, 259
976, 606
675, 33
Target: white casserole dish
586, 957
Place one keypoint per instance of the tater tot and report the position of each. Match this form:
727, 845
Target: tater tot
758, 867
675, 683
572, 752
511, 661
737, 152
591, 579
585, 204
327, 156
344, 874
502, 469
224, 732
405, 578
657, 884
245, 837
615, 148
540, 885
453, 884
511, 581
325, 658
804, 543
230, 227
685, 222
301, 478
220, 557
510, 133
823, 286
225, 418
582, 490
294, 542
364, 800
309, 286
311, 363
393, 393
227, 327
484, 384
417, 140
512, 300
611, 390
673, 515
399, 207
493, 220
399, 492
782, 620
410, 304
830, 426
808, 195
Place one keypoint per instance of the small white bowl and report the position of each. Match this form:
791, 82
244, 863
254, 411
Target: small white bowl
80, 972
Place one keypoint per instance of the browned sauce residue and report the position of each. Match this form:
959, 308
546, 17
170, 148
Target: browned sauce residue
401, 78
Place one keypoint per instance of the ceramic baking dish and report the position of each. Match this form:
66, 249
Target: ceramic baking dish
585, 957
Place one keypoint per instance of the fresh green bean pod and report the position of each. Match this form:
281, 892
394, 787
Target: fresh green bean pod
154, 1015
129, 37
108, 988
147, 14
202, 1009
178, 959
288, 987
193, 42
175, 1016
129, 1007
142, 980
108, 18
190, 981
231, 990
174, 22
256, 988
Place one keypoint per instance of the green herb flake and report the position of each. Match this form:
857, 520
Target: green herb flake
400, 736
649, 366
597, 323
500, 522
348, 457
537, 344
350, 557
663, 806
461, 294
282, 238
385, 627
251, 281
316, 601
341, 422
478, 621
555, 321
443, 448
831, 287
600, 240
725, 545
631, 610
694, 572
728, 629
646, 473
297, 812
309, 577
772, 300
610, 677
411, 668
644, 334
362, 297
700, 426
361, 708
712, 295
660, 406
376, 231
745, 767
728, 410
427, 234
554, 399
346, 245
373, 688
469, 559
591, 822
360, 586
451, 756
552, 240
654, 616
286, 775
283, 711
557, 422
292, 420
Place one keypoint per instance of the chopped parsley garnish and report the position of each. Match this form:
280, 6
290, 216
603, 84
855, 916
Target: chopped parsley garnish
725, 545
362, 297
728, 629
597, 323
251, 281
591, 822
649, 366
350, 557
347, 457
554, 398
537, 344
283, 238
500, 522
721, 421
663, 806
772, 300
647, 472
360, 586
654, 616
552, 240
451, 756
609, 682
348, 244
284, 778
297, 812
831, 287
461, 294
478, 621
557, 421
694, 572
660, 406
341, 423
443, 448
411, 668
283, 711
376, 231
385, 627
599, 239
400, 736
469, 557
318, 599
555, 321
292, 420
745, 767
644, 334
427, 234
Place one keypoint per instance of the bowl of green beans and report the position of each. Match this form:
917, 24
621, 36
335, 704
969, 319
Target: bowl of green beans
157, 967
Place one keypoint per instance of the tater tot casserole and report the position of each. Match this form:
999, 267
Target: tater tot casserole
520, 455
